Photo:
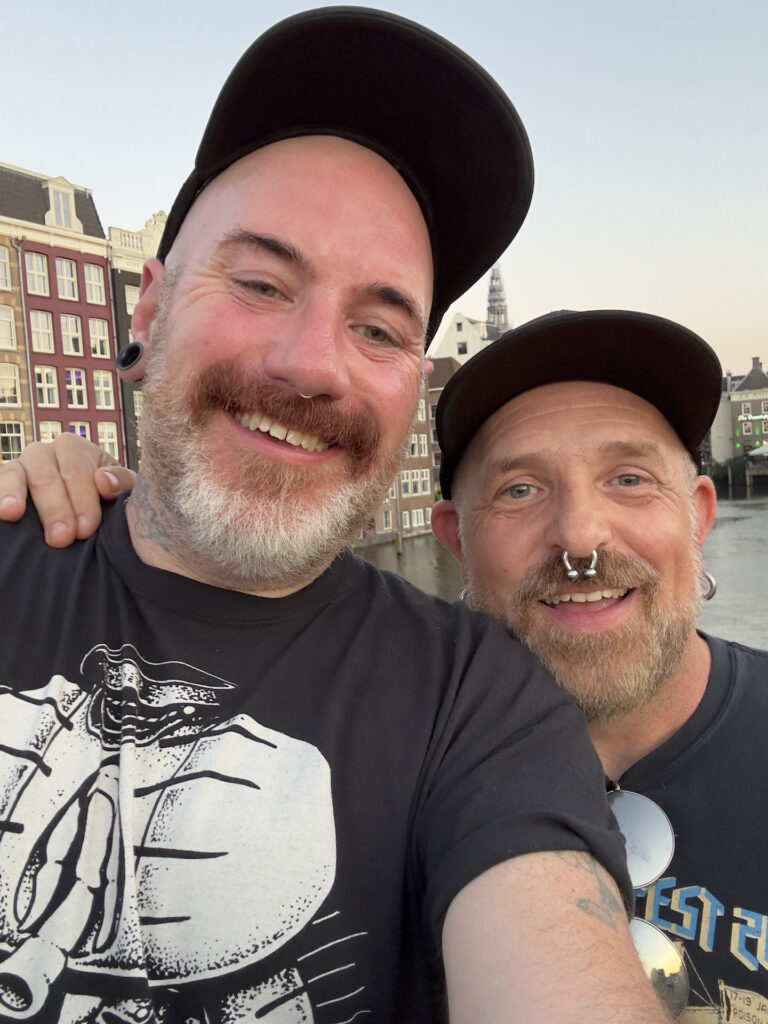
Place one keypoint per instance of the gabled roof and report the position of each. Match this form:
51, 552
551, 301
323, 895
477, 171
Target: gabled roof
755, 380
23, 196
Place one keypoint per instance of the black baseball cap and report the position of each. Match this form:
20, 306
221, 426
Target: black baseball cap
406, 93
657, 359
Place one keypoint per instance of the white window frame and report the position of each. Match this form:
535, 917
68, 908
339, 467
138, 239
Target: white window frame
37, 273
423, 445
422, 411
61, 205
47, 385
107, 433
94, 284
49, 429
9, 372
428, 515
764, 407
746, 428
405, 483
426, 481
98, 335
386, 522
41, 327
68, 321
66, 279
7, 453
414, 445
415, 481
7, 334
132, 294
76, 387
103, 390
417, 517
406, 519
5, 268
80, 427
746, 408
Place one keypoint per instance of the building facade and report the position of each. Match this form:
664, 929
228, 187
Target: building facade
465, 337
56, 323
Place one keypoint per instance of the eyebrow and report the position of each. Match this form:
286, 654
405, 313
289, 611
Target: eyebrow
615, 449
288, 252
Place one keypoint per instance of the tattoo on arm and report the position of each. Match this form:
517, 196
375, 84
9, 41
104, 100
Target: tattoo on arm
605, 906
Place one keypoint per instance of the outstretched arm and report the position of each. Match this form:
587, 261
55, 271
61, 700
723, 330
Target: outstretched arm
544, 937
66, 480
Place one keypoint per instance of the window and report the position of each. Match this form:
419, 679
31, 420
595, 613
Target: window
7, 328
415, 477
99, 335
62, 212
461, 348
459, 327
71, 336
423, 445
5, 267
131, 298
406, 520
436, 458
108, 438
37, 273
66, 279
11, 441
42, 330
426, 482
414, 445
102, 389
10, 393
387, 520
94, 284
49, 429
76, 396
433, 410
746, 429
422, 413
138, 407
764, 407
81, 428
428, 515
47, 387
418, 517
434, 435
392, 493
405, 483
746, 408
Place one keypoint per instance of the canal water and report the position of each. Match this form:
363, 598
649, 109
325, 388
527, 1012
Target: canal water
736, 553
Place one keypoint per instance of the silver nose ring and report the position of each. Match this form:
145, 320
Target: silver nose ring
573, 574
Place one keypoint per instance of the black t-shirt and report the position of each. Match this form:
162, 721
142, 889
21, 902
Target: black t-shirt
217, 807
711, 780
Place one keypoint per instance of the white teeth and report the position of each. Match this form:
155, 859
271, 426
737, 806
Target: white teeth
255, 421
582, 597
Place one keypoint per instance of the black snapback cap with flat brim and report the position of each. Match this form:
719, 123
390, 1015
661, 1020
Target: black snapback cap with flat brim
401, 90
657, 359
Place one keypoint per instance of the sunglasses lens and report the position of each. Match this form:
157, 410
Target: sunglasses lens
648, 834
663, 965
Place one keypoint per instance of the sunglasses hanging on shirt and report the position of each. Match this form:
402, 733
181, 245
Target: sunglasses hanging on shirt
650, 842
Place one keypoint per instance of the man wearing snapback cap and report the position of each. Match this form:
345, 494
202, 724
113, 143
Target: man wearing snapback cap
573, 503
245, 776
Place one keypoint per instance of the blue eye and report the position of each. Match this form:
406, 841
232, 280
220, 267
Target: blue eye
377, 335
261, 288
628, 480
520, 490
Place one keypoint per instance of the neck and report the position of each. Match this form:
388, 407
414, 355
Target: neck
626, 740
158, 545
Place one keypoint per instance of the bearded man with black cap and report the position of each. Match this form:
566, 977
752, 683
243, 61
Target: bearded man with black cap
245, 776
572, 501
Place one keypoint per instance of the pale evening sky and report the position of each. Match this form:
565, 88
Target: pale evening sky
648, 123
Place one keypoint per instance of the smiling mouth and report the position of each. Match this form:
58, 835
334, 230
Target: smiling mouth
257, 421
585, 596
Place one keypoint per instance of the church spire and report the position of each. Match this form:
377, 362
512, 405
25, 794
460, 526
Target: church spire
497, 302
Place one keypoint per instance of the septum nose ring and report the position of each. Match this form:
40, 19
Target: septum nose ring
573, 574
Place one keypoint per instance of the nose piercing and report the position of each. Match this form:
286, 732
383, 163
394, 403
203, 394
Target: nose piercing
573, 574
304, 396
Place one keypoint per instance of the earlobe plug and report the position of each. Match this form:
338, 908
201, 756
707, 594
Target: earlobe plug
128, 362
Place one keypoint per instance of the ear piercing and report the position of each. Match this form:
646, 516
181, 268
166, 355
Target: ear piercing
127, 357
573, 574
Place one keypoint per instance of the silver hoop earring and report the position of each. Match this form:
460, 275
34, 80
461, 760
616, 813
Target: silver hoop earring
711, 583
463, 594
